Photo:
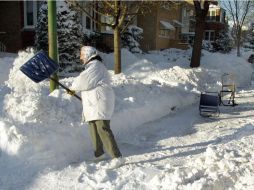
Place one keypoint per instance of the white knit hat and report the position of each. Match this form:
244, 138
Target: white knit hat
88, 53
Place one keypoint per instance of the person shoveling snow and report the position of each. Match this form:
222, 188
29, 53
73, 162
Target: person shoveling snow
98, 101
98, 98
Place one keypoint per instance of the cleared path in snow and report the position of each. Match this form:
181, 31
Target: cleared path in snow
187, 134
179, 151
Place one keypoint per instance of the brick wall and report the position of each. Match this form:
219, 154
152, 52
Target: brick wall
151, 26
10, 25
148, 22
172, 13
27, 35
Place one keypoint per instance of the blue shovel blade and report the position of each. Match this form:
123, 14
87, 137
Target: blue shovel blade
39, 67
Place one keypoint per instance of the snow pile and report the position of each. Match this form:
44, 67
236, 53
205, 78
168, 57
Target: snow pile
29, 101
6, 64
145, 91
140, 101
46, 121
127, 59
10, 139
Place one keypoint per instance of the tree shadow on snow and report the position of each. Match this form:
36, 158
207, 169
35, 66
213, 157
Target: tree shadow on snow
198, 148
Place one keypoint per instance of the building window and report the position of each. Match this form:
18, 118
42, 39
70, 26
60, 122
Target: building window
212, 36
164, 33
209, 35
30, 14
206, 35
88, 23
213, 15
167, 33
106, 19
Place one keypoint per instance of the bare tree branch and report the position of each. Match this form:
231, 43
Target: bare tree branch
78, 6
238, 12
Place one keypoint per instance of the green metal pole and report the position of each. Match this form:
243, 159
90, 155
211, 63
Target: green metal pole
52, 39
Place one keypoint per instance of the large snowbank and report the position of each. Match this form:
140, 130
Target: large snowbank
146, 90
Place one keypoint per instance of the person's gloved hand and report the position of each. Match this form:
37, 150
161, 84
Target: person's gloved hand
71, 92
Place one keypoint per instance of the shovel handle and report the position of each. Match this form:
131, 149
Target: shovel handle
67, 89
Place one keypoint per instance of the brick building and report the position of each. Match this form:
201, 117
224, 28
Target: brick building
215, 22
17, 20
166, 26
162, 28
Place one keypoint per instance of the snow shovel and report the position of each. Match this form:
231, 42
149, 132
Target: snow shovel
41, 67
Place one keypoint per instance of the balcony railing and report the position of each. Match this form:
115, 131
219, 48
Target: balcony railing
213, 18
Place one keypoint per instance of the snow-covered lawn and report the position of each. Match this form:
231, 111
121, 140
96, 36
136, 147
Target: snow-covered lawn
167, 144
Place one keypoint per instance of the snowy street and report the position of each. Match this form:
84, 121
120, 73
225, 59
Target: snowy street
166, 143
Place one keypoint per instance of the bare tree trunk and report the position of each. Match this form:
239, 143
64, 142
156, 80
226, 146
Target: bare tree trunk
238, 48
197, 47
117, 50
122, 14
201, 10
238, 39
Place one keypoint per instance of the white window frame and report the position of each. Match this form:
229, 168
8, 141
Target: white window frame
26, 26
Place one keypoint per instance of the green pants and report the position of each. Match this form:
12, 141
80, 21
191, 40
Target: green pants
102, 135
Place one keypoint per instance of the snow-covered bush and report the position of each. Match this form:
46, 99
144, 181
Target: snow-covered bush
207, 45
131, 37
70, 36
223, 43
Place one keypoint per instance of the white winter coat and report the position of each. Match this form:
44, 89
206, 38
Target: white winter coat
98, 97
